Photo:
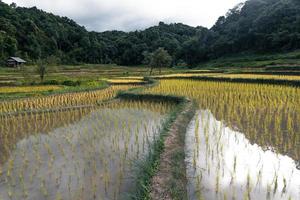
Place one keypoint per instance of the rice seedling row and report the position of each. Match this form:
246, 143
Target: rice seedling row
61, 100
267, 114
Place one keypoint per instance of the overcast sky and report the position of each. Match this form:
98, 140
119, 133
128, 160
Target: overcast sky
128, 15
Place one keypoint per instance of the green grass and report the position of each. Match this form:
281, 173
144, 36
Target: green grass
150, 165
255, 61
178, 182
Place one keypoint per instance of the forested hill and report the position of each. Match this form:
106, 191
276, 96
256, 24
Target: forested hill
256, 26
33, 34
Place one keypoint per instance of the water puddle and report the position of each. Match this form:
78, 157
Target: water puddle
223, 164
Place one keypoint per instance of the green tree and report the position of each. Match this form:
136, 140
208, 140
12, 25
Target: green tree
41, 70
160, 58
10, 45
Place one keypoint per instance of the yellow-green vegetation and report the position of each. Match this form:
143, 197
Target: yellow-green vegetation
50, 87
257, 76
269, 115
61, 100
187, 74
23, 89
132, 77
126, 81
232, 76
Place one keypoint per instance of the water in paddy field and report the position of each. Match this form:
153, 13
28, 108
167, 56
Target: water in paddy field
93, 158
223, 164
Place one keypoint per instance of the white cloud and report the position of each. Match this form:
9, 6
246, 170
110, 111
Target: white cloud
100, 15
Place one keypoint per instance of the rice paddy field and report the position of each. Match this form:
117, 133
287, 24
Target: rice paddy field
242, 143
82, 153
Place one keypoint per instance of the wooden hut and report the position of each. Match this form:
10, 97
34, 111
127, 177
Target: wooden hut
15, 62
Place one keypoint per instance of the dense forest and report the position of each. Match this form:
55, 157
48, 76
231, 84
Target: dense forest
255, 26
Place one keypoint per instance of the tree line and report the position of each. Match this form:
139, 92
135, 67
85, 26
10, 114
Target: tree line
253, 27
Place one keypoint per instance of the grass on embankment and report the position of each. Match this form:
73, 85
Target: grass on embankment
178, 182
170, 180
173, 129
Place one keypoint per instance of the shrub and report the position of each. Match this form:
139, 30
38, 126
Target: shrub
71, 83
51, 82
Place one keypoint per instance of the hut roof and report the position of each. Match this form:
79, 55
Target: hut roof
17, 59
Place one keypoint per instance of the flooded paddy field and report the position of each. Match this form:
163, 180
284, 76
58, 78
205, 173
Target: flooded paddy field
81, 154
223, 164
244, 143
14, 128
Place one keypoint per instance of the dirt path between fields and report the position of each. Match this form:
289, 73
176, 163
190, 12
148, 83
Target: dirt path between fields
170, 180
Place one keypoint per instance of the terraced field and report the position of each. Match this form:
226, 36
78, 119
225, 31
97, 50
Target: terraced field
243, 142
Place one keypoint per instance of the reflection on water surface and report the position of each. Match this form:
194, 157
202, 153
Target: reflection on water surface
223, 164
